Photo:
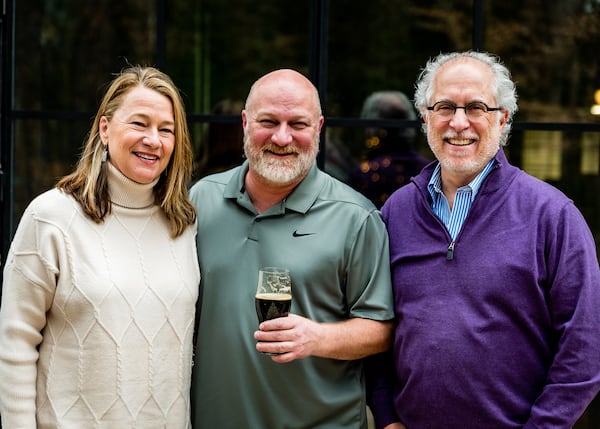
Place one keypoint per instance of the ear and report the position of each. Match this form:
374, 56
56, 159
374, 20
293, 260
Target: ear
103, 130
244, 119
321, 122
425, 115
503, 118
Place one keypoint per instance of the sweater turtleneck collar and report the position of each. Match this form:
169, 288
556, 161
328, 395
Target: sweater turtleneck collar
124, 192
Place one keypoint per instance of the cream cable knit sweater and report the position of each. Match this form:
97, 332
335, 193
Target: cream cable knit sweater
109, 306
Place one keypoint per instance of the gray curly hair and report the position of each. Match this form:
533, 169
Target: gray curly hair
503, 87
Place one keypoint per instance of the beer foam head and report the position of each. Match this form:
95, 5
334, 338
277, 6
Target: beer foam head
274, 296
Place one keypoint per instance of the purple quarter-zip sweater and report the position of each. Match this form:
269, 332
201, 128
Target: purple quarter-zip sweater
506, 333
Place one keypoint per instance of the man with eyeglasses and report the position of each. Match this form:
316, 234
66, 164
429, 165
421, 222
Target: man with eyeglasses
495, 274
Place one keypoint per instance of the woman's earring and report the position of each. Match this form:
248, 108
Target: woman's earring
105, 154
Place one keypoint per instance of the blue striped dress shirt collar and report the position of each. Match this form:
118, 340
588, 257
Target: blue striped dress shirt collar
465, 195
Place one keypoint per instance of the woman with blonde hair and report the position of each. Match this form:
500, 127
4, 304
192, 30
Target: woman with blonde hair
101, 279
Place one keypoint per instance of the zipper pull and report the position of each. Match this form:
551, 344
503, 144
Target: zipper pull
450, 253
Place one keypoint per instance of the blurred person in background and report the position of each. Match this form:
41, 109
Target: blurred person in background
391, 158
222, 145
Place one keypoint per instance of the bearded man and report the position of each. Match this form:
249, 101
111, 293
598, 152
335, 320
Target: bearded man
278, 209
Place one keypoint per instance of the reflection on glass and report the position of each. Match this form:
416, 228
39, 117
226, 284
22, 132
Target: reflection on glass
542, 154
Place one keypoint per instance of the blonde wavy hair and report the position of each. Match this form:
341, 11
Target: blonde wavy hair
88, 183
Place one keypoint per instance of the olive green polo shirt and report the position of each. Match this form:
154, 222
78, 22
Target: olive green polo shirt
335, 245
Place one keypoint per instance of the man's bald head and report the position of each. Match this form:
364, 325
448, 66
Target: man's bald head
284, 78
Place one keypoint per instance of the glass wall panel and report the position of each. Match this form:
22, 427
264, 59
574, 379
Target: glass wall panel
217, 48
552, 52
67, 50
45, 150
542, 154
383, 46
590, 154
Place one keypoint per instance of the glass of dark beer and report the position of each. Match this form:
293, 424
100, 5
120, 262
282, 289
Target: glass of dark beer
273, 293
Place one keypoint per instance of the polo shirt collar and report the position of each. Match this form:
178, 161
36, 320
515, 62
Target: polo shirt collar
235, 187
300, 199
306, 193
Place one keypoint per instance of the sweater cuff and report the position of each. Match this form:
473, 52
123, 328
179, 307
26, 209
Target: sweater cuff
382, 407
380, 376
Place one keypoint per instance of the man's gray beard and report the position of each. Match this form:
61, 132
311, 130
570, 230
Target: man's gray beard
281, 172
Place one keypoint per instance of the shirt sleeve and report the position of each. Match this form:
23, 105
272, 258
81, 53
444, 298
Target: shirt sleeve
27, 292
574, 302
369, 284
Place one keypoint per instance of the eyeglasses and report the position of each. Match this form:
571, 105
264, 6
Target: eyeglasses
474, 110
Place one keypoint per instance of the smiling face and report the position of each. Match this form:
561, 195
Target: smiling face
281, 124
464, 146
140, 135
